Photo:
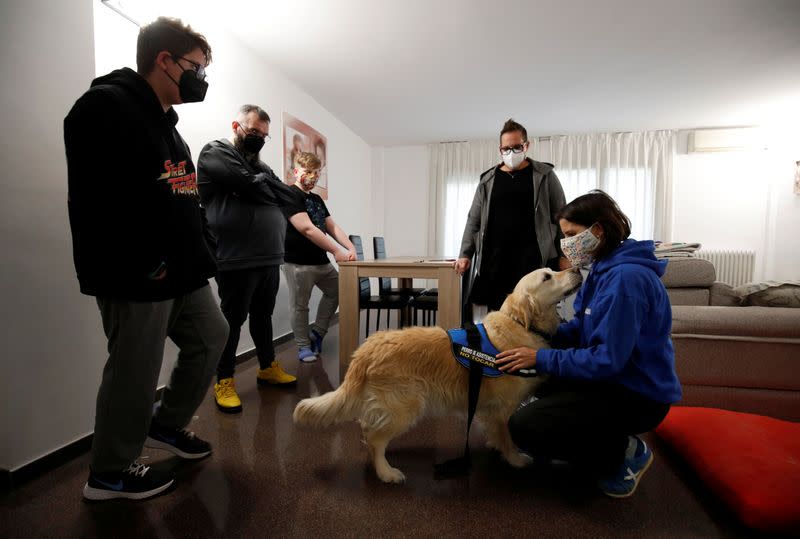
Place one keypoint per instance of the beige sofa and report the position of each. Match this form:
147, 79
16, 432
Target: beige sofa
693, 281
745, 359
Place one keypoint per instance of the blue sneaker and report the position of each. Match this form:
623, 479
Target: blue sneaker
623, 483
305, 355
316, 342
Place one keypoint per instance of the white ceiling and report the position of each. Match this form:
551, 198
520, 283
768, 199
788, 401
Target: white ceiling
418, 71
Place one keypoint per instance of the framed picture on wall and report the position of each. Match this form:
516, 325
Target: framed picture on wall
298, 137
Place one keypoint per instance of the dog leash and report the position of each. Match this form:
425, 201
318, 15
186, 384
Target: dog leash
461, 465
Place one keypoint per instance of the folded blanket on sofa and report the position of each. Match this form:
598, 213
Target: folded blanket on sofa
675, 249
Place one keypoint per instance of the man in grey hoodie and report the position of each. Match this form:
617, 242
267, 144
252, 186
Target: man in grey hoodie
511, 228
243, 199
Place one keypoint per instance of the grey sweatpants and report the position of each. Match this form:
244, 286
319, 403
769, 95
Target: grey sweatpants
136, 333
301, 279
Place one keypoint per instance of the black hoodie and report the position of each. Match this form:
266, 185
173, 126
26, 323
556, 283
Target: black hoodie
134, 209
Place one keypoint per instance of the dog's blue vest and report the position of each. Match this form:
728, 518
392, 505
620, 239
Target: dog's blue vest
486, 356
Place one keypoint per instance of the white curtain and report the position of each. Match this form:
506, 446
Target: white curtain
454, 173
634, 168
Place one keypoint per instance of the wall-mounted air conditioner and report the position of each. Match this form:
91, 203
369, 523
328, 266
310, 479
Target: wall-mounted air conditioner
725, 140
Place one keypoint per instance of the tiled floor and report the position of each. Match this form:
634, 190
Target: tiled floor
267, 478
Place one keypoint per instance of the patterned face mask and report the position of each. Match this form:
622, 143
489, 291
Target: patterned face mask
579, 248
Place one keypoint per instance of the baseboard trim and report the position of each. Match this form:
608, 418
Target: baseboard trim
11, 479
14, 478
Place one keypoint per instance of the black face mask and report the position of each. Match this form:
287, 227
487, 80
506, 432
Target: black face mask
252, 144
191, 88
239, 144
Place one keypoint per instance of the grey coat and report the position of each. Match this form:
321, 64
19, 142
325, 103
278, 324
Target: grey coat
548, 199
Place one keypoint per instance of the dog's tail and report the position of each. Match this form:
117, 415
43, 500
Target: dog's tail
333, 407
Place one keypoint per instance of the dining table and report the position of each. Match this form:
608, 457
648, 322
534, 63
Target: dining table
404, 269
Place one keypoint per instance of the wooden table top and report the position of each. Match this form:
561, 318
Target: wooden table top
410, 261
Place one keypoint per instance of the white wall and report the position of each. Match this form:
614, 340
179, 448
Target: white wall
54, 349
720, 200
783, 224
52, 339
740, 200
400, 179
378, 202
405, 187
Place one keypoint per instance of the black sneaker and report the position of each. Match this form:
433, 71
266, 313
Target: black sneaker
181, 442
136, 482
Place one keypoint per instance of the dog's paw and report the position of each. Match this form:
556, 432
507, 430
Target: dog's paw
391, 475
518, 460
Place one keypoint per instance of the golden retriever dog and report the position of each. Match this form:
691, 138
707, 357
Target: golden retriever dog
397, 377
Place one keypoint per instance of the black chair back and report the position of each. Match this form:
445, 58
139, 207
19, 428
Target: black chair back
379, 247
364, 288
356, 241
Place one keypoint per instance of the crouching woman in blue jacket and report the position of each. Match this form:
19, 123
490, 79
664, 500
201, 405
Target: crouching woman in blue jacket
612, 366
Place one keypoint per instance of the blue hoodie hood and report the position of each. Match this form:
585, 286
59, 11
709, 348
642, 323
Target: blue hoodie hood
633, 252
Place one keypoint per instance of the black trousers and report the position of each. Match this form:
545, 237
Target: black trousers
585, 423
246, 292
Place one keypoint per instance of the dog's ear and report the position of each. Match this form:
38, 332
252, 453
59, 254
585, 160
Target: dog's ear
534, 310
520, 306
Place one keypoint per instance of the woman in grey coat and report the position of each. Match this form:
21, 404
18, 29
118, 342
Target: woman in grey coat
511, 228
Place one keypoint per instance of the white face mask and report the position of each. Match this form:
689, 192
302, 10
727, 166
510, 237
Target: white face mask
578, 249
514, 160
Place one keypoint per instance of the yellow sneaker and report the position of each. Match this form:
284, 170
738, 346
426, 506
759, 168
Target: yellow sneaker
226, 398
275, 375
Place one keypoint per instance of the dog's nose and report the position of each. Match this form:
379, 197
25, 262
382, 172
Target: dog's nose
575, 269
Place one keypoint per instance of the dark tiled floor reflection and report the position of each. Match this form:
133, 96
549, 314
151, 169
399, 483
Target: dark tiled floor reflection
267, 478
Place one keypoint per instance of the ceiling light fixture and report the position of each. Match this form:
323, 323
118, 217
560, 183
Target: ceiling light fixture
116, 6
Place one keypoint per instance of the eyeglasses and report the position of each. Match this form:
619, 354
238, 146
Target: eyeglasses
199, 69
506, 150
255, 132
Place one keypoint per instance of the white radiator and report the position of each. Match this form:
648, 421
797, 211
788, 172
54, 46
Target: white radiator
733, 267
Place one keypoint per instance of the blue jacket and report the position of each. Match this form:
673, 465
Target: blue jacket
621, 329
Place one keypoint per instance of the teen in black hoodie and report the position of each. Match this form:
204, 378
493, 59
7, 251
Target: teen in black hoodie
138, 241
133, 202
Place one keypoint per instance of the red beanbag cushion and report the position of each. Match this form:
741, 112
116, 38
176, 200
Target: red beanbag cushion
751, 462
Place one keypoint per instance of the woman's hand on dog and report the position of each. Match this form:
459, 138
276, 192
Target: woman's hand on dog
516, 359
